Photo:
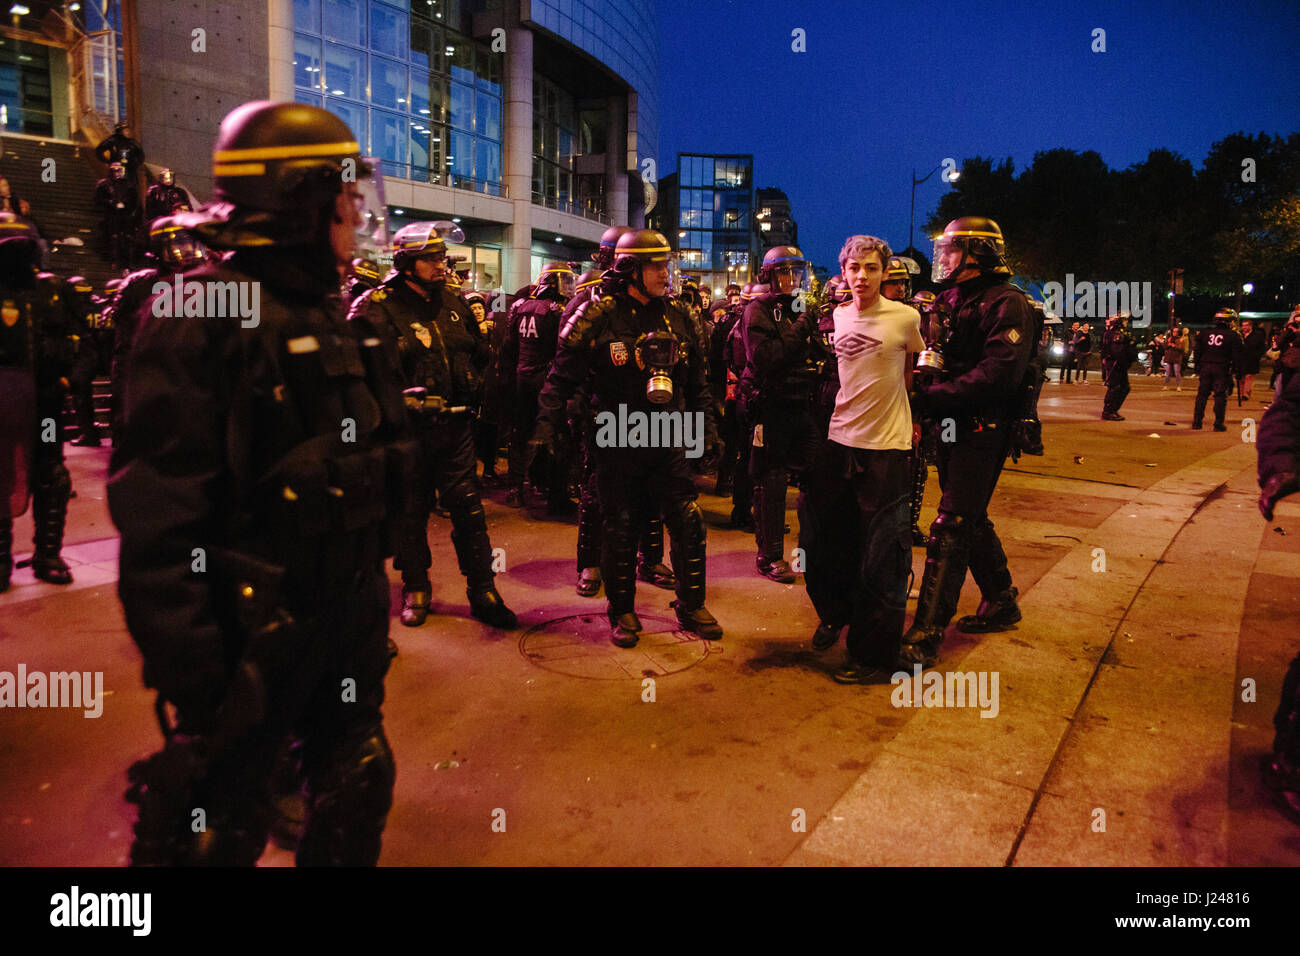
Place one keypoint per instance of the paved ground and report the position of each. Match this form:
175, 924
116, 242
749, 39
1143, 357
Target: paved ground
1125, 731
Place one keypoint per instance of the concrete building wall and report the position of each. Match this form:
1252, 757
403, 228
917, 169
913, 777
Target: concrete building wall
184, 94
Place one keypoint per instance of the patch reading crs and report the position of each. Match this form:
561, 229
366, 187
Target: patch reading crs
77, 909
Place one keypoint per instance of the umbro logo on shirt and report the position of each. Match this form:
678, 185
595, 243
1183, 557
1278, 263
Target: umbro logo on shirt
853, 343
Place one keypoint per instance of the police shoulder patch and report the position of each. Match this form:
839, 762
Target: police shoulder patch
618, 352
378, 295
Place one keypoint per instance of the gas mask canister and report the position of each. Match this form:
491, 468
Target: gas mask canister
658, 352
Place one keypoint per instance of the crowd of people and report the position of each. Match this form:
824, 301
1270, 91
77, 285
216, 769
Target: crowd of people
262, 474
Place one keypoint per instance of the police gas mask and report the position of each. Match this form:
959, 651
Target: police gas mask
936, 332
658, 352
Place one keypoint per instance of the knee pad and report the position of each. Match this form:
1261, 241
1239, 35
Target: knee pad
350, 800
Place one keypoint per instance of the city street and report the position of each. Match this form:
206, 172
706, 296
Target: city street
1133, 702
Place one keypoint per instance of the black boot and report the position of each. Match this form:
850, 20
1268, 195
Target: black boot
999, 613
589, 582
945, 572
469, 536
625, 629
415, 604
687, 535
50, 511
618, 569
487, 605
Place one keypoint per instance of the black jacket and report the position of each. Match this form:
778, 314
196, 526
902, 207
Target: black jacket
779, 360
1218, 347
272, 444
437, 342
598, 347
989, 346
532, 332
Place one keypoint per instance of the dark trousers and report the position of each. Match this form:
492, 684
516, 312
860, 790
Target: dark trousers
788, 435
1212, 378
447, 468
1117, 389
346, 763
968, 474
634, 484
857, 545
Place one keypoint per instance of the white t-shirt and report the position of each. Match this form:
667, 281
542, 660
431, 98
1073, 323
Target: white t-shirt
871, 408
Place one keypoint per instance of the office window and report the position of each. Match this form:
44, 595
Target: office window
306, 62
345, 72
345, 21
388, 83
388, 31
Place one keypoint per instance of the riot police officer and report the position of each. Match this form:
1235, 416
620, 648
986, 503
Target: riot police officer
591, 530
118, 206
638, 349
165, 197
92, 332
986, 360
727, 313
258, 471
38, 343
1217, 356
898, 278
439, 353
363, 275
533, 328
1278, 447
776, 389
1118, 350
173, 248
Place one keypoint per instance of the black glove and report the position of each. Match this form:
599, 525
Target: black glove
1275, 489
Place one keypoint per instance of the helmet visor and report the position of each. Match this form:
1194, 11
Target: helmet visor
372, 232
791, 277
948, 254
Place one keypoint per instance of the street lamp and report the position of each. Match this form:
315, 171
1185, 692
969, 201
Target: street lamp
916, 182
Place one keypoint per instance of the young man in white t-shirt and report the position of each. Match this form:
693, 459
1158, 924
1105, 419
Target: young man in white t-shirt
853, 512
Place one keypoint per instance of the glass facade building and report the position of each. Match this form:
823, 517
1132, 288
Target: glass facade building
419, 94
715, 216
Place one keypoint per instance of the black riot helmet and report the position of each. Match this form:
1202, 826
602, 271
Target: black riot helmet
174, 245
784, 261
1225, 316
981, 245
555, 279
640, 247
423, 240
277, 170
587, 281
604, 255
20, 251
367, 270
836, 291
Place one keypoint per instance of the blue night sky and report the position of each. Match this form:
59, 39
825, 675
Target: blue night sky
885, 87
